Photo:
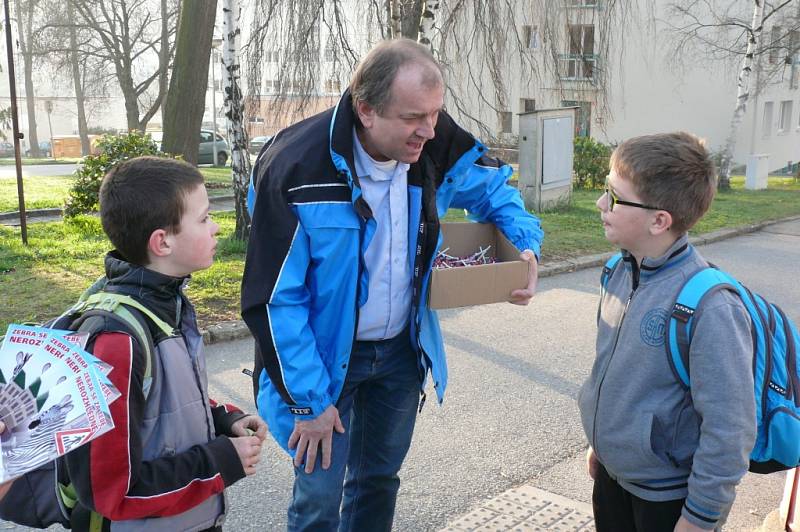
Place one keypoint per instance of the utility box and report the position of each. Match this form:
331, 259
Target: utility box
546, 144
757, 173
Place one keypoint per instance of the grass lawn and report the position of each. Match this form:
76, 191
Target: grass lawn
39, 281
44, 192
41, 192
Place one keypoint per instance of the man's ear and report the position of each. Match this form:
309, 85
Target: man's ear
366, 113
661, 223
159, 243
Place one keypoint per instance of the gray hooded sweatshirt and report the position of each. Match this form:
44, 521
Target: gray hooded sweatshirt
657, 440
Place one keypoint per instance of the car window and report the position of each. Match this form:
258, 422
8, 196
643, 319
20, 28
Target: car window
205, 137
219, 138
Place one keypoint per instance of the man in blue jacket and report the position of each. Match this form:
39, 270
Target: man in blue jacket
345, 224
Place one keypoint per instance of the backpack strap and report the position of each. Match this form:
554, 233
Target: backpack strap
131, 313
119, 306
608, 270
681, 321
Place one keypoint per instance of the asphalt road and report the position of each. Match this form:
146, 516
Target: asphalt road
510, 416
38, 169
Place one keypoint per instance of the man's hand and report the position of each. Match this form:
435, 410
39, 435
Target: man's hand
592, 463
249, 450
685, 526
5, 486
250, 425
308, 435
523, 296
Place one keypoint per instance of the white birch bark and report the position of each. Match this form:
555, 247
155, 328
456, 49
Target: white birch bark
430, 12
742, 93
234, 114
395, 19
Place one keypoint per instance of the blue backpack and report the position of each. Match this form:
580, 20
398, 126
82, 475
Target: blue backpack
776, 343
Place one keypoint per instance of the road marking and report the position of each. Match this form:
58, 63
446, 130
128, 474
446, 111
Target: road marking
526, 509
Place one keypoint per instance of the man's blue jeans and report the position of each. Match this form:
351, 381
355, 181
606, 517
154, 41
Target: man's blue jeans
378, 408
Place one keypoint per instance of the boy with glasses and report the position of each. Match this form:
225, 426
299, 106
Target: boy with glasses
664, 458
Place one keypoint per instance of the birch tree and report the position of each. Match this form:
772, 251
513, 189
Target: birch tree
721, 33
234, 113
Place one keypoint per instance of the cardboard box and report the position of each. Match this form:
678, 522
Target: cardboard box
482, 284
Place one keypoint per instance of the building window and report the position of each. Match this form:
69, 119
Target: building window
785, 117
581, 3
330, 50
766, 123
505, 121
579, 61
527, 105
775, 46
583, 116
530, 37
271, 56
333, 85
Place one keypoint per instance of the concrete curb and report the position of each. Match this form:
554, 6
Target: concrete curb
33, 213
236, 329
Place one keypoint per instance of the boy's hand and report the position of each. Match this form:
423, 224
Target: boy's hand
592, 463
250, 425
5, 486
249, 450
685, 526
308, 435
523, 296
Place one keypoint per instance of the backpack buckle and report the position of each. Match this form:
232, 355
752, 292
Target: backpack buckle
682, 313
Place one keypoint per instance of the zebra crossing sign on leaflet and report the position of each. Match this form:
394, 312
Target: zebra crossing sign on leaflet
54, 397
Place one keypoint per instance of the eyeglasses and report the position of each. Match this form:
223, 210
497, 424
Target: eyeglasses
614, 200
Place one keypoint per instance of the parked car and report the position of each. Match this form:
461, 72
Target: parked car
6, 149
256, 143
44, 149
205, 148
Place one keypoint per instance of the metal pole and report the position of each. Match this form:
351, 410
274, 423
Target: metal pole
214, 105
12, 87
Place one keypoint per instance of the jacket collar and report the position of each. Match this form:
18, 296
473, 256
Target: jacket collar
161, 293
650, 266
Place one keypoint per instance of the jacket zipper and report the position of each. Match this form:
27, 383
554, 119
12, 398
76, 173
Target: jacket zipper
635, 283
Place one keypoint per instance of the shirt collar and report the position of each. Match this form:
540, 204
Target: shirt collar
367, 167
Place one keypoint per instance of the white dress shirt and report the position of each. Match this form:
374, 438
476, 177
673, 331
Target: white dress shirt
384, 187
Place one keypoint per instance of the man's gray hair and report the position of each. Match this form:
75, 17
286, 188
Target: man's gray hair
373, 78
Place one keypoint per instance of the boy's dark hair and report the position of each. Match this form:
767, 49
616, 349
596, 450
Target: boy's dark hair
673, 171
141, 195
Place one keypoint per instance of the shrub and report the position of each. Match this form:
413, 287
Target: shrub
84, 194
590, 163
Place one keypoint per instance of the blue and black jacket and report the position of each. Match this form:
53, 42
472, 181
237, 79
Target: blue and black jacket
305, 278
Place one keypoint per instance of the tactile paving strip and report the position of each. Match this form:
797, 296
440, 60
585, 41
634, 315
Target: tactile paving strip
526, 509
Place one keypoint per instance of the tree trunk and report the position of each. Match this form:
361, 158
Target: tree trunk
410, 18
83, 130
742, 94
395, 19
185, 102
234, 112
25, 27
429, 13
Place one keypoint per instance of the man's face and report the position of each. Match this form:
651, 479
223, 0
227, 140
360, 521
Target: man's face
407, 122
195, 244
